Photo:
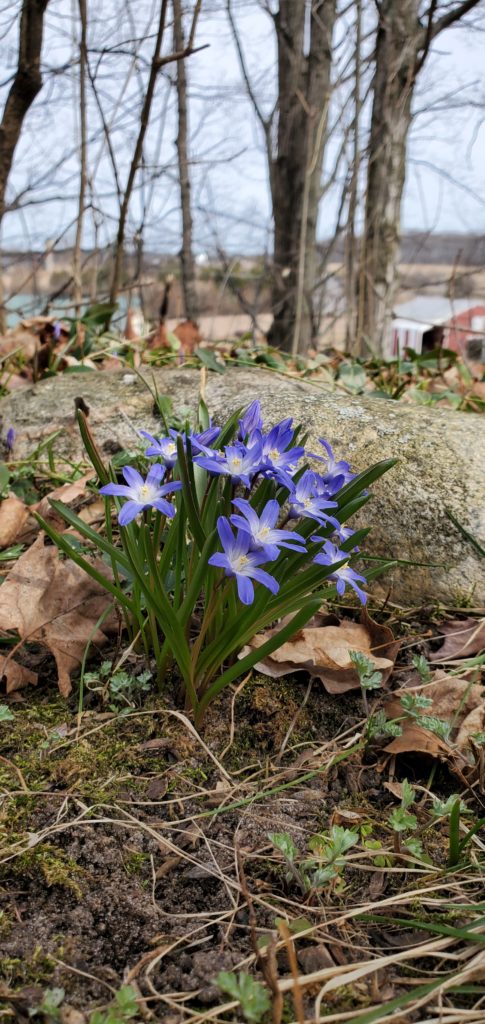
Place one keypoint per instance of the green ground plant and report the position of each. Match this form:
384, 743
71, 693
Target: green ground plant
192, 606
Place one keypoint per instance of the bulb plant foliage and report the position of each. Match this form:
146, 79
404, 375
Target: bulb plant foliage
220, 533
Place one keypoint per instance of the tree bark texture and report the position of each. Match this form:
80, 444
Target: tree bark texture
26, 84
76, 259
137, 155
186, 253
397, 43
304, 70
402, 47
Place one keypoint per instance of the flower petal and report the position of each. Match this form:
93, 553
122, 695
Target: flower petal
119, 490
245, 589
226, 534
129, 511
165, 507
264, 577
248, 511
173, 485
155, 473
270, 513
220, 560
132, 477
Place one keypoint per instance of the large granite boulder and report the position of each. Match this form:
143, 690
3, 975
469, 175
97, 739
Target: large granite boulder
441, 453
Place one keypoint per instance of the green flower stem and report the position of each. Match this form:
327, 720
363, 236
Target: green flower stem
279, 638
193, 512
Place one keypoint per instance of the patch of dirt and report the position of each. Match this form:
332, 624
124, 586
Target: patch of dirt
131, 856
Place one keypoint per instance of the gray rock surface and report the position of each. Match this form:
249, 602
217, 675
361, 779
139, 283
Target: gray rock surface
441, 457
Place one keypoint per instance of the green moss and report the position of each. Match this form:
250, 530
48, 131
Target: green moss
55, 867
135, 863
36, 970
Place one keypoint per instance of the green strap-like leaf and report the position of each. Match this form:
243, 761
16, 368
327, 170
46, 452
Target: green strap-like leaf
279, 638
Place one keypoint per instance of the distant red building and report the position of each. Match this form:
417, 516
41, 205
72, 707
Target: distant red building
428, 321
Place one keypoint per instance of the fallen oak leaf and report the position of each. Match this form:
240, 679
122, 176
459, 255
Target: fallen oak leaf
13, 516
13, 381
68, 494
51, 600
322, 649
16, 676
463, 638
416, 739
455, 701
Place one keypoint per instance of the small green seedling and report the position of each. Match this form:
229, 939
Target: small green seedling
251, 994
312, 874
422, 668
331, 849
49, 1008
413, 703
401, 820
5, 713
121, 688
123, 1008
369, 679
379, 725
443, 808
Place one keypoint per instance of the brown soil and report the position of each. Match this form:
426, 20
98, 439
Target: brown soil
121, 859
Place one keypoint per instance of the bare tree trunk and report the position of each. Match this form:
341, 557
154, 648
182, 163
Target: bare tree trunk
157, 63
350, 256
398, 36
186, 253
303, 97
144, 119
402, 46
76, 259
26, 84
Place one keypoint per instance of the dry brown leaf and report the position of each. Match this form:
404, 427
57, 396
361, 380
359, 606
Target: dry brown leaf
157, 789
13, 381
92, 512
19, 339
67, 493
456, 701
463, 638
13, 515
55, 603
417, 740
322, 649
16, 676
348, 818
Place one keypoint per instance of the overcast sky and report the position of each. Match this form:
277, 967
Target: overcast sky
445, 184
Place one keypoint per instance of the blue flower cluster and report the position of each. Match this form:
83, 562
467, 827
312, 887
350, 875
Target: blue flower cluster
250, 540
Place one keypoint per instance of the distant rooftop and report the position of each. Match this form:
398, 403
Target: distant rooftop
433, 309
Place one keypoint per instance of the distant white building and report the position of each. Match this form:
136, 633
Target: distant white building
430, 321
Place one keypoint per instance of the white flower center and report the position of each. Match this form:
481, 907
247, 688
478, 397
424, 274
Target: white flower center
274, 454
241, 562
263, 532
